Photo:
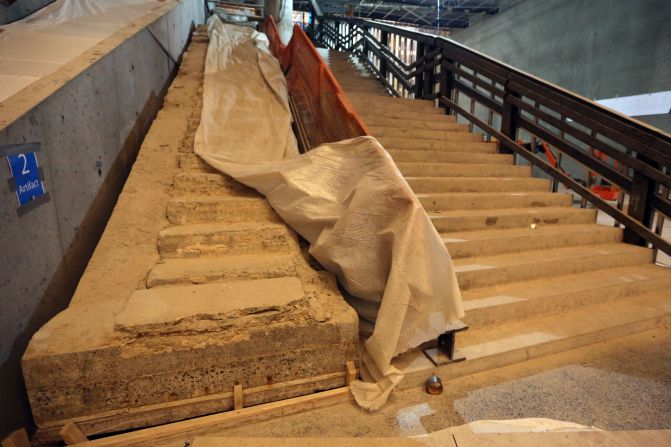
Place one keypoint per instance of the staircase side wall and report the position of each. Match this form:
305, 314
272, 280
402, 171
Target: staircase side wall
90, 117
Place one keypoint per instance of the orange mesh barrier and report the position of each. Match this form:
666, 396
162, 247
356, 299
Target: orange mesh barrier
325, 110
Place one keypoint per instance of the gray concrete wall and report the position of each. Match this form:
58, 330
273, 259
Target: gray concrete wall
90, 117
19, 9
599, 48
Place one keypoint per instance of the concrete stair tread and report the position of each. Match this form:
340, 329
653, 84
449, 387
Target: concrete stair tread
439, 202
440, 121
220, 268
404, 156
457, 147
544, 230
420, 134
433, 143
563, 254
513, 342
443, 169
500, 218
470, 243
477, 184
545, 329
577, 282
510, 211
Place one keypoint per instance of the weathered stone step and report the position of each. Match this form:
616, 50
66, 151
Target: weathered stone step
405, 156
209, 307
192, 162
476, 184
491, 348
463, 244
486, 271
221, 239
419, 134
438, 169
222, 209
450, 143
472, 220
210, 184
220, 268
448, 201
518, 301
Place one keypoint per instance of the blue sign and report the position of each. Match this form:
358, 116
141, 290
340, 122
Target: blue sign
26, 174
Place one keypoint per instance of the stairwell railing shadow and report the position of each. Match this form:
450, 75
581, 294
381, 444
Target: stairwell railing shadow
519, 110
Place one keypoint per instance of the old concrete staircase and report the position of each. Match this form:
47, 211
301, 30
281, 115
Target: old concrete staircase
529, 290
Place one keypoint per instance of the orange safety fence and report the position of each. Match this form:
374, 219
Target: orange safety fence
321, 102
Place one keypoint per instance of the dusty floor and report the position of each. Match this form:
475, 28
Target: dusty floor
622, 384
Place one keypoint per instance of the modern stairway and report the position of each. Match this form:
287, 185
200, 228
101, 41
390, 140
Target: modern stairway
537, 275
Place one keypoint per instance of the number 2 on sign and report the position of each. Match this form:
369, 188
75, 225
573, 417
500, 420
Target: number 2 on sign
24, 171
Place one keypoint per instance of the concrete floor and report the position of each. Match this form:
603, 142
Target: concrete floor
622, 384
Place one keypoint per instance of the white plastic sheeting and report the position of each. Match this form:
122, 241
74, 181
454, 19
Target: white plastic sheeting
347, 199
41, 43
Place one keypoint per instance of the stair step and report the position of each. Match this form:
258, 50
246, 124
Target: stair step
210, 184
210, 307
444, 144
220, 239
437, 169
223, 268
445, 122
404, 156
477, 184
419, 134
192, 162
502, 304
366, 111
491, 348
448, 201
390, 101
183, 211
485, 271
368, 91
471, 220
462, 244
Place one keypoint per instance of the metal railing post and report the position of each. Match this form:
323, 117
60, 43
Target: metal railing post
419, 75
509, 114
642, 191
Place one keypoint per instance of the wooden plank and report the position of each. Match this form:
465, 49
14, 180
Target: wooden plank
71, 434
237, 397
350, 374
18, 438
149, 415
187, 430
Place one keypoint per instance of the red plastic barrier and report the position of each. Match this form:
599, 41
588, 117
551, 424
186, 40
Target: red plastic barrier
314, 88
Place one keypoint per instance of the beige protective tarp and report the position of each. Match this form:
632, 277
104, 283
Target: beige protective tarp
41, 43
347, 199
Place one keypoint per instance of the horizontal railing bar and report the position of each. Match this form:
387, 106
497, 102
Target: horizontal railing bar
594, 123
661, 204
479, 81
578, 155
644, 168
478, 96
597, 201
